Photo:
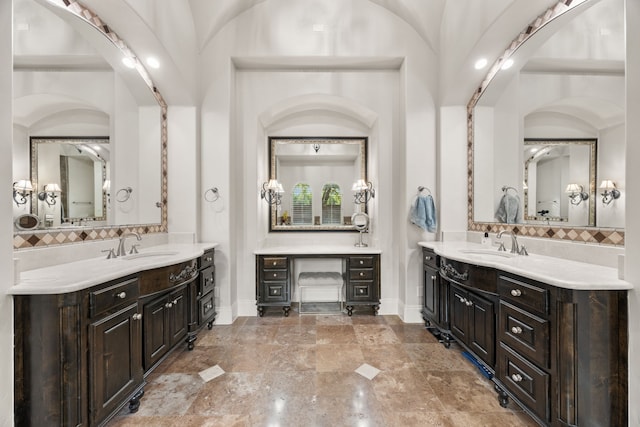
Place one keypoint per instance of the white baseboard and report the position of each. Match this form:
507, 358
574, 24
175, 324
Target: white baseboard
412, 314
247, 308
225, 316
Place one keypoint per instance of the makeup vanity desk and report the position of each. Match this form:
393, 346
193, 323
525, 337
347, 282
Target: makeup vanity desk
275, 274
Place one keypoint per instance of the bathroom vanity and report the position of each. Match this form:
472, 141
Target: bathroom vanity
275, 275
89, 332
551, 333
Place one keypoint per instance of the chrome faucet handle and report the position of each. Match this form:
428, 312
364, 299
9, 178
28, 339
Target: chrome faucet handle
134, 249
111, 253
523, 251
501, 248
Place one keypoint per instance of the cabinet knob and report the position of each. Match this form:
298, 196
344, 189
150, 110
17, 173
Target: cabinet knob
175, 301
516, 330
209, 259
462, 300
468, 303
208, 306
362, 291
199, 294
516, 378
168, 305
137, 316
122, 295
516, 292
274, 292
361, 262
428, 258
275, 275
275, 263
433, 278
361, 273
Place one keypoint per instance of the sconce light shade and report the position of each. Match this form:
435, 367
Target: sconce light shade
576, 193
49, 194
21, 189
271, 192
364, 191
609, 191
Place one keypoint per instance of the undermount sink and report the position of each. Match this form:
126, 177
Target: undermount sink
488, 253
149, 255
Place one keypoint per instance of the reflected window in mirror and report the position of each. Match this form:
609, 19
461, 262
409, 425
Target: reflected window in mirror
314, 171
331, 204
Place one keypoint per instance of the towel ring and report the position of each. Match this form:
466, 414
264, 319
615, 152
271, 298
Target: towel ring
421, 189
123, 194
212, 194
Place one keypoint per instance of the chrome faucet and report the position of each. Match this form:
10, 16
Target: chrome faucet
515, 248
121, 251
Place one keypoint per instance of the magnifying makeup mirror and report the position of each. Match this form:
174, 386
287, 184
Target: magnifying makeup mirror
360, 221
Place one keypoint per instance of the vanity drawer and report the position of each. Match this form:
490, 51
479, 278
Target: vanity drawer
275, 275
523, 294
361, 261
206, 260
207, 280
524, 332
116, 295
527, 382
274, 263
275, 292
361, 291
429, 258
206, 308
361, 274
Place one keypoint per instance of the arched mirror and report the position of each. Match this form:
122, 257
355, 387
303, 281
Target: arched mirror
84, 105
558, 90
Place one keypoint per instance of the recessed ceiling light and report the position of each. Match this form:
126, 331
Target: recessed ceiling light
507, 64
128, 62
153, 62
480, 63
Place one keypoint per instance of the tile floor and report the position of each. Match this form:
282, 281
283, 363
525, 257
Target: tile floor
300, 371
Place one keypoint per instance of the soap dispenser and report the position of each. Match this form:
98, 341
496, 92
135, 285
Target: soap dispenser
486, 240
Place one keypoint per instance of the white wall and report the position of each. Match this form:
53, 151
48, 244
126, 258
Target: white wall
6, 225
238, 89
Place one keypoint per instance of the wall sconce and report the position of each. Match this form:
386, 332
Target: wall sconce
21, 189
271, 192
576, 193
49, 195
610, 192
364, 191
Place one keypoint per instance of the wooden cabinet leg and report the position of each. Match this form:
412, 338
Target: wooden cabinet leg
260, 311
286, 311
349, 310
134, 403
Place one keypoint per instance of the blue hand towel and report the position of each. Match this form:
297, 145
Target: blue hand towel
509, 209
423, 213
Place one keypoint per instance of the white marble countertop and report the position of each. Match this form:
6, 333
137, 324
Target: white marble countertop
317, 250
554, 271
78, 275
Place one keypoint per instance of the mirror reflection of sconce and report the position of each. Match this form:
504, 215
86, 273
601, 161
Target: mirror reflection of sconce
609, 191
576, 193
271, 192
21, 189
123, 194
364, 191
49, 195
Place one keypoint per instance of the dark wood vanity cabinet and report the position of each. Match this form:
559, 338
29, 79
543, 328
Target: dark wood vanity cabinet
363, 282
78, 355
273, 283
435, 297
82, 356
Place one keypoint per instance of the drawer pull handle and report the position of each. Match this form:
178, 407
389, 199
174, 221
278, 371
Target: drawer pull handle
208, 259
516, 330
428, 258
122, 295
462, 300
516, 378
469, 303
168, 305
208, 306
137, 316
516, 292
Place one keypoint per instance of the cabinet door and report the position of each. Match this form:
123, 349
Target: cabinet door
156, 331
431, 293
178, 316
459, 314
482, 328
115, 361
